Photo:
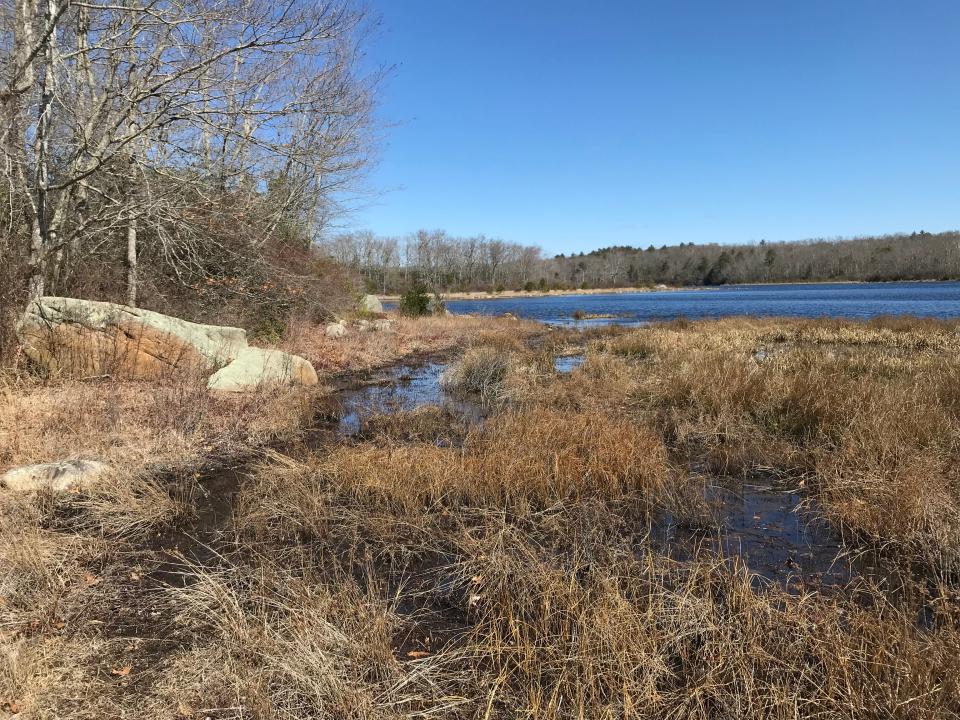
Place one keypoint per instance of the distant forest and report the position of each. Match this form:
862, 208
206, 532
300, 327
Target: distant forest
446, 263
918, 256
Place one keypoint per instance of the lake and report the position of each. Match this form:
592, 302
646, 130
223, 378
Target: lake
851, 300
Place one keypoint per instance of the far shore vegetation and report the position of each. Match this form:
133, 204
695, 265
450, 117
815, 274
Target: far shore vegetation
469, 264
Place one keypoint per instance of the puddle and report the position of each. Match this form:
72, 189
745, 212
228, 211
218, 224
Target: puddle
199, 541
568, 363
408, 387
403, 388
766, 528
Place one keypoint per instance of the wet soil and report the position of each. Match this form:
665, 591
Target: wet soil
772, 528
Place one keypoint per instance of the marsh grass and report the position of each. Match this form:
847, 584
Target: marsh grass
555, 605
498, 373
427, 424
864, 414
504, 570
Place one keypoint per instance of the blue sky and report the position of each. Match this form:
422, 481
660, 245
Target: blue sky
575, 125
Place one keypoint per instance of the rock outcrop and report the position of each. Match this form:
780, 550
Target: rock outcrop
254, 368
86, 337
55, 477
371, 304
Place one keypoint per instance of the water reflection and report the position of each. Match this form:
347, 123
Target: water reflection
401, 389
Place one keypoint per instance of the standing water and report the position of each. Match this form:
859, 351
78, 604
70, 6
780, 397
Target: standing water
850, 300
762, 524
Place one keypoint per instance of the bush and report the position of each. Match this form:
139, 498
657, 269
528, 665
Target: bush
415, 301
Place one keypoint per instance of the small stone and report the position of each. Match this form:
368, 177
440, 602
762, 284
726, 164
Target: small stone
55, 476
383, 325
336, 330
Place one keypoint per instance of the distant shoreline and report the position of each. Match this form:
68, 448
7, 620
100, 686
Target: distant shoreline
506, 294
484, 295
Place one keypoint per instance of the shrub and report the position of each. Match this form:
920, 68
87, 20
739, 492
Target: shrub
415, 301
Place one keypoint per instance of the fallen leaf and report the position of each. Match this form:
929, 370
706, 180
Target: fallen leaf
135, 576
417, 654
12, 707
122, 672
90, 579
184, 710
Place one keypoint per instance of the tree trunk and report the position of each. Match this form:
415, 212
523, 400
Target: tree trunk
35, 283
43, 236
132, 262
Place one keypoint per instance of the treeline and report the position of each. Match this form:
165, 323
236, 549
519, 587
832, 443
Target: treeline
918, 256
448, 263
438, 260
183, 156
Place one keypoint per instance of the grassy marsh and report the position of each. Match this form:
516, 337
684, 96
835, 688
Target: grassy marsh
506, 569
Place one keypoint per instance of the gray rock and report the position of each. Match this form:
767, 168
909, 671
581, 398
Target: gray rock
90, 337
371, 304
383, 325
336, 330
255, 368
56, 476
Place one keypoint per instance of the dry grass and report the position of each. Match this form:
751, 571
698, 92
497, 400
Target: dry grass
499, 571
135, 425
141, 425
867, 414
496, 374
427, 424
533, 457
361, 350
519, 568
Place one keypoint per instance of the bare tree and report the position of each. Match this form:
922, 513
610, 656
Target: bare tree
124, 119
